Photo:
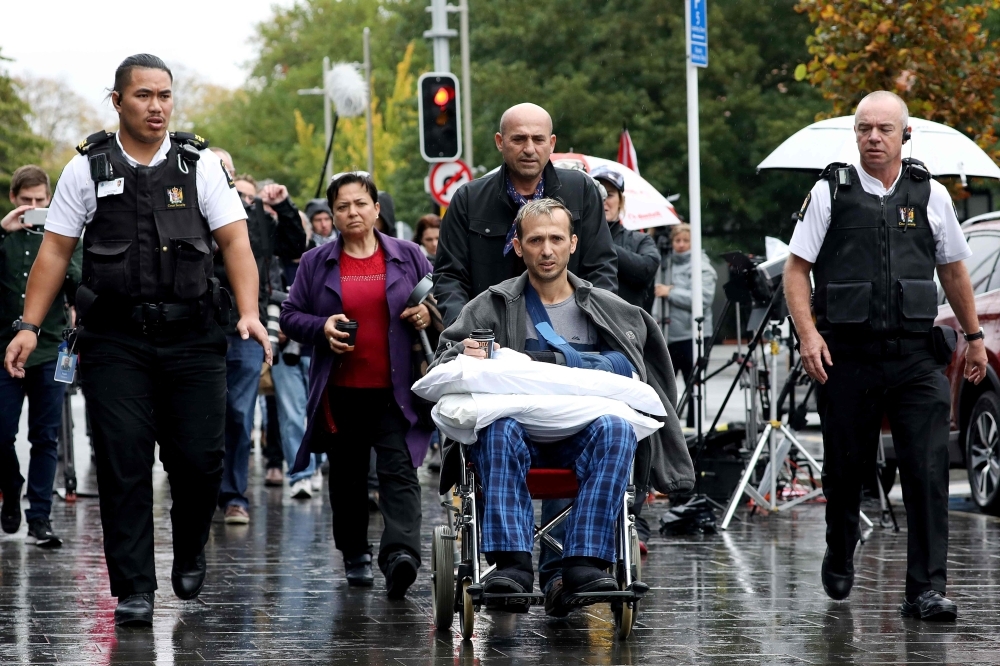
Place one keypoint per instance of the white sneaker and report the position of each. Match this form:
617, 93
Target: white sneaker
317, 482
301, 489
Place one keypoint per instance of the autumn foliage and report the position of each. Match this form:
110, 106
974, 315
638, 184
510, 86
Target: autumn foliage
935, 54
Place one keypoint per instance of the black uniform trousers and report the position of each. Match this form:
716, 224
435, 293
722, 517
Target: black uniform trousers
366, 420
912, 392
142, 390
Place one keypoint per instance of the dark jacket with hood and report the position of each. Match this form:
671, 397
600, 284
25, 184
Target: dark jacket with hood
470, 256
662, 459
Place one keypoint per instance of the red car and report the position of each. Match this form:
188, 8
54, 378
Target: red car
975, 410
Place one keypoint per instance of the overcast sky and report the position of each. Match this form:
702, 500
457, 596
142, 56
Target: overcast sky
83, 42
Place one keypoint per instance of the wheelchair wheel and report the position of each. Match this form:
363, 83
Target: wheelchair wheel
443, 577
467, 617
626, 613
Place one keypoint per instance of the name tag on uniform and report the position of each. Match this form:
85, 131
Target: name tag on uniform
65, 365
106, 188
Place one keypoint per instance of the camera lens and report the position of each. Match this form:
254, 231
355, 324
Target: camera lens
292, 353
273, 312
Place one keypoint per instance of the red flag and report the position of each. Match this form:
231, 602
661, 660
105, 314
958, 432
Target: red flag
626, 152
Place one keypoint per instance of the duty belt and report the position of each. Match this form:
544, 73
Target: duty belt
881, 346
153, 316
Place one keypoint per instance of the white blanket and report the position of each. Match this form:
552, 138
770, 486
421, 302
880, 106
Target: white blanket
552, 402
546, 418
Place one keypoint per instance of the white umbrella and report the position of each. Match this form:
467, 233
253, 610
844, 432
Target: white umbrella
645, 207
945, 151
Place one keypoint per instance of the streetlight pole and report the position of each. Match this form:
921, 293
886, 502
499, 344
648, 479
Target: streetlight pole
463, 29
327, 110
368, 107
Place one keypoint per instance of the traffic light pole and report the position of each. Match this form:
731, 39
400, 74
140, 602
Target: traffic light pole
440, 33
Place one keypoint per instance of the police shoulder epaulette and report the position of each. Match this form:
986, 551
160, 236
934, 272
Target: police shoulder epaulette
915, 169
191, 139
95, 139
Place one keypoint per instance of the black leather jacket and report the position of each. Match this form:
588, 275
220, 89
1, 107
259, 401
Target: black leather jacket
470, 255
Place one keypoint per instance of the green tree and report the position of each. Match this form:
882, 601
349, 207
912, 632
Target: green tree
18, 145
937, 55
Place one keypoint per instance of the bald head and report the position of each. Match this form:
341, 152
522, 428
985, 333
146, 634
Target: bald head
884, 99
879, 126
526, 141
522, 114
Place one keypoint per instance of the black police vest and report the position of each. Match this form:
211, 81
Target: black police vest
150, 243
875, 271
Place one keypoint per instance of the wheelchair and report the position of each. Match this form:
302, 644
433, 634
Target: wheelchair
462, 592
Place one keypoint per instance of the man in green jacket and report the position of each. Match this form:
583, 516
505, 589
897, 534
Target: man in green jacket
19, 243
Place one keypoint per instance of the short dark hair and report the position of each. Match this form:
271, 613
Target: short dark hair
29, 175
541, 207
123, 75
339, 180
429, 221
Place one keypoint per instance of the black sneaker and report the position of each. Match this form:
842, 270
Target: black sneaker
40, 534
10, 515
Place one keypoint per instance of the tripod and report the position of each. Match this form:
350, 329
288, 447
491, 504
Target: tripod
777, 451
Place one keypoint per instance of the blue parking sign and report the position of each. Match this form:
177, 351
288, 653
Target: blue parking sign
698, 32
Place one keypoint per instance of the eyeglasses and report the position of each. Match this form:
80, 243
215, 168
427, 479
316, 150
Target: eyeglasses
360, 174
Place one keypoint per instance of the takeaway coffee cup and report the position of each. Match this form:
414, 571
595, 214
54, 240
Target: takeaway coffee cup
485, 338
350, 326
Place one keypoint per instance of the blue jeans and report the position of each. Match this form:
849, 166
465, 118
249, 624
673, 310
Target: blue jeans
600, 454
291, 391
45, 403
243, 362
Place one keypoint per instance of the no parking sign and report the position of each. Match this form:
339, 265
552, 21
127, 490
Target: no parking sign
445, 178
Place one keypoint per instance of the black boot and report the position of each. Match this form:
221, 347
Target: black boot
400, 573
931, 606
586, 574
359, 570
188, 576
10, 514
837, 581
135, 610
514, 574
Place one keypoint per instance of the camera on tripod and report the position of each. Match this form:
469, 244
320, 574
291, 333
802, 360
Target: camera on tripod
292, 352
755, 281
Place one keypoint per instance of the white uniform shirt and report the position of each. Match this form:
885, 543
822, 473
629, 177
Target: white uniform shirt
75, 200
949, 241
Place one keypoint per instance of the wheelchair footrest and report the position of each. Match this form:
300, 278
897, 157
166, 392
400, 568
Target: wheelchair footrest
521, 600
635, 591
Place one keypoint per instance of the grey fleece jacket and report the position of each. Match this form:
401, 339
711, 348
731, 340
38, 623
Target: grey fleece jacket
662, 459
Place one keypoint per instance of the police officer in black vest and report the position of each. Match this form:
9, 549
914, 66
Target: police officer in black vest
872, 233
152, 353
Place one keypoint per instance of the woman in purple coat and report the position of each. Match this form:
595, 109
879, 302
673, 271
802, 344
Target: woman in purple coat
359, 394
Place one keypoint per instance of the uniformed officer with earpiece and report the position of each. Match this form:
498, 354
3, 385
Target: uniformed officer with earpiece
873, 233
152, 355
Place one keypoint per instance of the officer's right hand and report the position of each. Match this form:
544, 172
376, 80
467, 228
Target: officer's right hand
18, 351
12, 220
473, 349
814, 353
334, 337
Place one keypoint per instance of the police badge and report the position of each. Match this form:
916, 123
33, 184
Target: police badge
906, 217
175, 197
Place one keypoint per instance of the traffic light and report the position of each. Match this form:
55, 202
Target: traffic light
440, 117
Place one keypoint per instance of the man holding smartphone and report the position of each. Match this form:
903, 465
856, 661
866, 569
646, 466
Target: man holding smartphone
20, 237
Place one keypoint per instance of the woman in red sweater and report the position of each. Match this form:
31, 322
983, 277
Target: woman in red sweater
359, 396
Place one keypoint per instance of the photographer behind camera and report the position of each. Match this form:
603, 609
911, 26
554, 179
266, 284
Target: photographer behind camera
19, 243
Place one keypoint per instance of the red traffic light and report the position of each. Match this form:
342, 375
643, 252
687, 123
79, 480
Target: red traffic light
443, 95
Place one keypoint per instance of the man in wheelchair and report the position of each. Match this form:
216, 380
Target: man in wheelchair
550, 309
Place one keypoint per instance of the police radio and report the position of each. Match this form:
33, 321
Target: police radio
100, 168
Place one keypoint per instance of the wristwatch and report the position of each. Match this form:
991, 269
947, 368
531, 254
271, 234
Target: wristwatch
20, 325
979, 335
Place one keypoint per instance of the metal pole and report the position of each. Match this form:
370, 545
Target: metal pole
440, 33
694, 178
463, 28
368, 107
327, 116
772, 438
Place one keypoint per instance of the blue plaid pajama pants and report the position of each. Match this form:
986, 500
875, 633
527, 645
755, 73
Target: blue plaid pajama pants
600, 454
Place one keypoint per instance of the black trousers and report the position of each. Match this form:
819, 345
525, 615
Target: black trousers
370, 419
682, 357
141, 390
912, 392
